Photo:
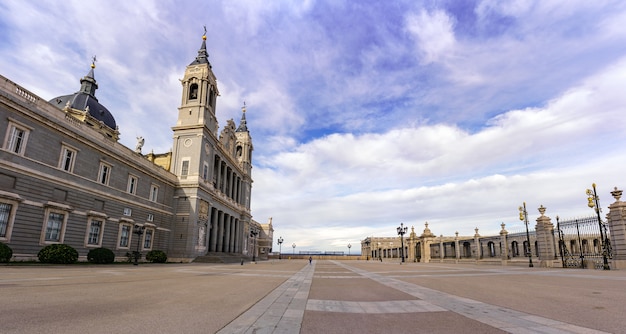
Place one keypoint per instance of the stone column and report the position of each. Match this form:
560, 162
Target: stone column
457, 251
220, 232
544, 230
214, 228
477, 247
617, 227
442, 251
505, 247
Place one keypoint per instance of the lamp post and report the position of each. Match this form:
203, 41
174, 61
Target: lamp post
594, 201
401, 231
138, 230
367, 247
380, 258
280, 247
523, 216
294, 248
349, 246
253, 234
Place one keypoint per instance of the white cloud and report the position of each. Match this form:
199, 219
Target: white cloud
434, 34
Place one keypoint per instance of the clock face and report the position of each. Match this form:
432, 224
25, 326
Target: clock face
188, 142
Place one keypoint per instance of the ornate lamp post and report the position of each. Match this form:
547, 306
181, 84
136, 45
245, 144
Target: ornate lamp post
523, 216
401, 231
294, 248
594, 201
367, 246
138, 230
280, 247
349, 246
253, 234
380, 257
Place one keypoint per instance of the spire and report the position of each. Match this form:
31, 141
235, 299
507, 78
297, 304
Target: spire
203, 56
243, 127
88, 83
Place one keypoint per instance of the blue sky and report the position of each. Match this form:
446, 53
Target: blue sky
364, 114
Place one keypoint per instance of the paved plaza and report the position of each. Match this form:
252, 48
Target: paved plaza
293, 296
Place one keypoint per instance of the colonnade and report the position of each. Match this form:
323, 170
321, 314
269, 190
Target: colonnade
226, 180
226, 233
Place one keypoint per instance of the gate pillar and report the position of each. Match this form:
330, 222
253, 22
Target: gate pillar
504, 246
427, 238
617, 228
477, 247
544, 231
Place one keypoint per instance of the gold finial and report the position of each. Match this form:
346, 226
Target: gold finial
244, 107
204, 36
93, 62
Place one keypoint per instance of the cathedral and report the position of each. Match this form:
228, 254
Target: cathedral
65, 178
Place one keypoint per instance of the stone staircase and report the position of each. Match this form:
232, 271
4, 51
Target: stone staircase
221, 258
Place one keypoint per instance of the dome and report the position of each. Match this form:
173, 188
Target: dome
85, 99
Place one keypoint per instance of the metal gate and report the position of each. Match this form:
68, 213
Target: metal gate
584, 243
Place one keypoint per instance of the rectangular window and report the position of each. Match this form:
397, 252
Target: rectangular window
128, 212
16, 138
95, 231
5, 215
8, 206
184, 170
68, 156
147, 239
150, 217
154, 192
132, 184
124, 236
54, 226
104, 173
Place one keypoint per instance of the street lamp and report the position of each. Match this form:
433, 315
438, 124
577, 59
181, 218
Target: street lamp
594, 201
367, 246
280, 246
380, 257
349, 246
523, 216
294, 248
401, 231
253, 234
138, 230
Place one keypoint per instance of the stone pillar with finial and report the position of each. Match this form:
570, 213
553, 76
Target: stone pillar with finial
617, 229
427, 238
477, 247
544, 232
504, 253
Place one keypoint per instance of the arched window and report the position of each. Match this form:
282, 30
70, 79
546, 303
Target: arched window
193, 91
515, 248
492, 249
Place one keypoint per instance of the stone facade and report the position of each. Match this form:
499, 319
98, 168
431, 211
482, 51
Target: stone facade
65, 178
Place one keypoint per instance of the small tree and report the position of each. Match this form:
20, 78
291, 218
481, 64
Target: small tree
156, 256
6, 253
101, 256
58, 254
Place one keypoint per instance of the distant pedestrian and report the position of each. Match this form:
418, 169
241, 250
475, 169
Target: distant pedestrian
380, 259
310, 260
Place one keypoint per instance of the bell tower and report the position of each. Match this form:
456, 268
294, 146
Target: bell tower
199, 97
195, 132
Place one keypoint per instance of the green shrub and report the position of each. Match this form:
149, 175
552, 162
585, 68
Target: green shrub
6, 253
101, 256
58, 254
156, 256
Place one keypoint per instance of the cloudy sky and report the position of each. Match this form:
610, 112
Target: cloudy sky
364, 114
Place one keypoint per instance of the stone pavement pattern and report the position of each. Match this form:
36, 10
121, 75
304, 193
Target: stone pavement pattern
325, 297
